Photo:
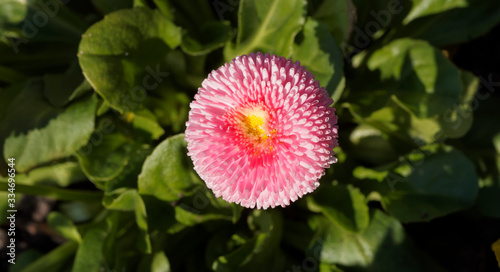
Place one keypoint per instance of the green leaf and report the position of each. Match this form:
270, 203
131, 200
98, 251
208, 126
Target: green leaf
323, 267
335, 14
130, 200
64, 226
122, 201
55, 133
12, 11
111, 159
81, 211
422, 8
165, 8
415, 72
160, 262
53, 192
212, 35
399, 128
372, 19
128, 177
319, 53
488, 198
456, 121
55, 259
382, 244
157, 261
496, 249
258, 251
168, 173
140, 3
122, 56
369, 145
146, 122
61, 89
361, 173
344, 205
120, 247
89, 256
60, 174
267, 26
427, 185
446, 22
107, 159
203, 206
171, 106
8, 95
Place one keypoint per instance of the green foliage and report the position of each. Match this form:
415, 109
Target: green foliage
55, 134
362, 250
94, 100
268, 26
64, 226
319, 53
115, 55
168, 173
345, 206
427, 184
417, 73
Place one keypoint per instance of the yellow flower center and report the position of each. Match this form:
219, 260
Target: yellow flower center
253, 124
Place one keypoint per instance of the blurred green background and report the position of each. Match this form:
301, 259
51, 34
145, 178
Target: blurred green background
94, 96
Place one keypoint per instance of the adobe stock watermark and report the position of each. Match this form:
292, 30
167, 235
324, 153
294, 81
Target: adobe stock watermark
11, 211
31, 25
221, 6
362, 37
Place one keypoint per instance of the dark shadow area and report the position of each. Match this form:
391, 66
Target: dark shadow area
459, 242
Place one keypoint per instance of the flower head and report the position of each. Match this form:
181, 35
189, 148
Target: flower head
261, 132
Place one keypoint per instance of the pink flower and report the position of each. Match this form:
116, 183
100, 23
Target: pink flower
261, 132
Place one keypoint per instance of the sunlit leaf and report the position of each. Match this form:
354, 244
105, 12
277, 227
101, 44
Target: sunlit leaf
64, 226
167, 173
335, 14
89, 254
345, 205
415, 72
267, 26
55, 134
319, 53
121, 56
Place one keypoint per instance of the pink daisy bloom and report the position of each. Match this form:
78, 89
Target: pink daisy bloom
261, 132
